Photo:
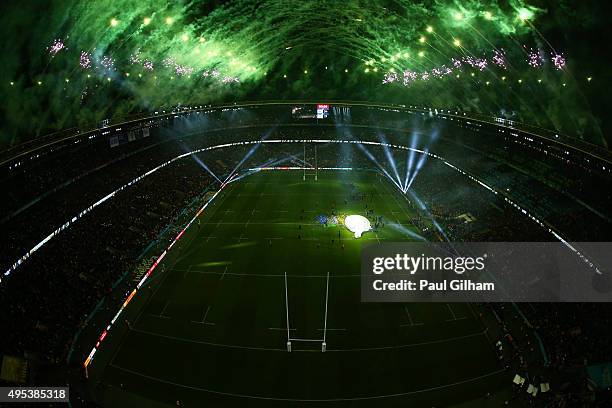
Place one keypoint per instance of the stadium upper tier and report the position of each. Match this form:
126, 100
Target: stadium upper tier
272, 111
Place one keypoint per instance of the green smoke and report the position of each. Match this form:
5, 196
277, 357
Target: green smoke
202, 52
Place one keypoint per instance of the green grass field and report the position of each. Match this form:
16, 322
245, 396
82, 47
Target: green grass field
214, 327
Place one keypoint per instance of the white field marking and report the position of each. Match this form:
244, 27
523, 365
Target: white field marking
269, 275
287, 309
224, 272
279, 328
407, 345
385, 200
164, 309
273, 238
282, 211
203, 321
260, 194
233, 346
455, 318
377, 238
141, 312
259, 397
412, 323
263, 223
451, 310
408, 315
392, 193
330, 329
317, 340
205, 272
210, 237
473, 312
208, 343
187, 271
161, 315
326, 302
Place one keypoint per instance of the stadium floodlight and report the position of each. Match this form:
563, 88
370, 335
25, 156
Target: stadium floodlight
357, 224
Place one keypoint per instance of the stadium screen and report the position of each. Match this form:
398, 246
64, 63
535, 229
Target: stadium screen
321, 111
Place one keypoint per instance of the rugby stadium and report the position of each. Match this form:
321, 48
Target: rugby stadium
307, 204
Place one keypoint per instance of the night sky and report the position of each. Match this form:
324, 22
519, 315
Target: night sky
75, 63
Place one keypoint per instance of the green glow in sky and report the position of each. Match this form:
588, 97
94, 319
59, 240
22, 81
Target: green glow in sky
146, 54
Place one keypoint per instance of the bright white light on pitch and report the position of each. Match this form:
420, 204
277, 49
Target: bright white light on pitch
357, 224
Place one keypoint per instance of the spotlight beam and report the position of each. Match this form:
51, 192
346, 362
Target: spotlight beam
200, 162
251, 151
389, 156
269, 163
423, 207
419, 165
205, 167
406, 231
410, 163
373, 159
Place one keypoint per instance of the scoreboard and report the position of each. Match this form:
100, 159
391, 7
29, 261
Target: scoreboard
319, 111
322, 111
